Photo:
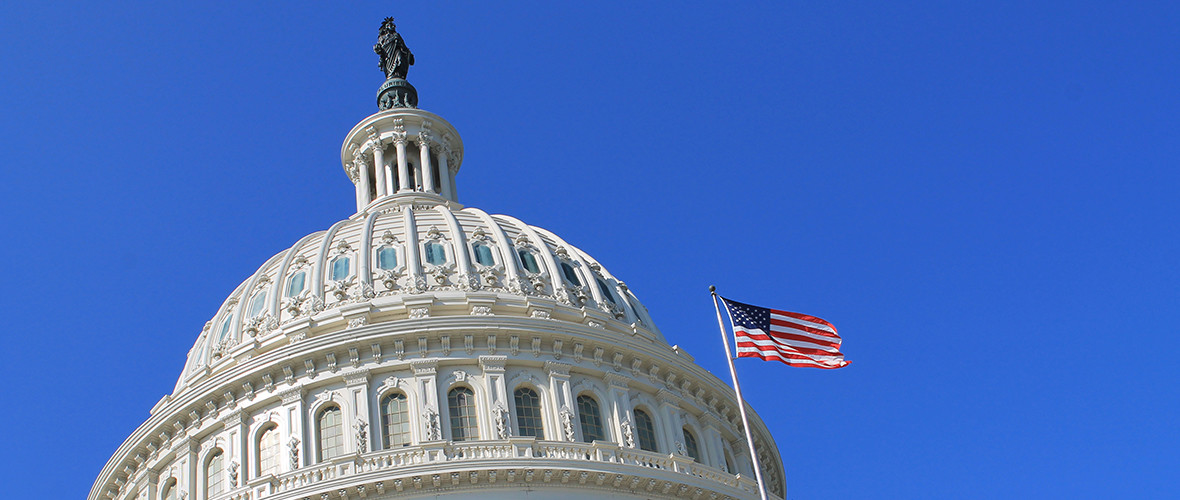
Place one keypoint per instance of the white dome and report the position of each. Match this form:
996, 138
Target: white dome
420, 348
409, 257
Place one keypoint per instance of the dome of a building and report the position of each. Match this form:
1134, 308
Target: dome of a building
421, 348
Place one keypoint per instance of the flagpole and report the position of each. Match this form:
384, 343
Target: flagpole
737, 390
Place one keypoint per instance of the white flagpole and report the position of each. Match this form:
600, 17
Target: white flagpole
737, 390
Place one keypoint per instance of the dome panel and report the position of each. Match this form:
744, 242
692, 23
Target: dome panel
401, 252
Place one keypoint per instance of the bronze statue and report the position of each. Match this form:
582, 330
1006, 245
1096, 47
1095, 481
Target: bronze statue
396, 58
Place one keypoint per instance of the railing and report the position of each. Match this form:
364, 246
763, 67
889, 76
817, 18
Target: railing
524, 449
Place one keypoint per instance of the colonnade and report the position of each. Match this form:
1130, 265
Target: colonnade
431, 174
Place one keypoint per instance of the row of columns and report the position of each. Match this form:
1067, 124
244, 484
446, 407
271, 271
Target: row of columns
424, 172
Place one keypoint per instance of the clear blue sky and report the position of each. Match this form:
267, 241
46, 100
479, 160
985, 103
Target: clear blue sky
982, 198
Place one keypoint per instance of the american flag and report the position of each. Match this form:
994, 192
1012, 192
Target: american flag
793, 338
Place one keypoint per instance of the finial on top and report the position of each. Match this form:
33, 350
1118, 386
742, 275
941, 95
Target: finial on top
395, 61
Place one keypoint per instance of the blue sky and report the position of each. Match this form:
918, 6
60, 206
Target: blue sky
982, 197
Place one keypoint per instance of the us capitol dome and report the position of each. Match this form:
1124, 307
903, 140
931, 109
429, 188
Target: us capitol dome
421, 348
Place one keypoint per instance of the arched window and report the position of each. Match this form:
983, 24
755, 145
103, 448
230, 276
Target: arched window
690, 445
435, 255
169, 490
331, 427
341, 268
257, 303
570, 275
529, 261
214, 475
591, 419
295, 283
395, 417
645, 430
387, 258
606, 292
461, 402
528, 413
483, 255
268, 451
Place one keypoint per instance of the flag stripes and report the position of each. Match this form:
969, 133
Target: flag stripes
792, 338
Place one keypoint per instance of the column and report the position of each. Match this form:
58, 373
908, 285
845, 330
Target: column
426, 385
424, 159
493, 372
672, 427
360, 180
293, 415
562, 401
620, 408
444, 171
189, 480
357, 386
379, 167
403, 170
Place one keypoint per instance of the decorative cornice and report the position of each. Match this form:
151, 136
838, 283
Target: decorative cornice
493, 363
557, 369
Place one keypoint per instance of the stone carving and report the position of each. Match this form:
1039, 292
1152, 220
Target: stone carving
501, 420
260, 325
311, 305
390, 278
396, 58
433, 431
339, 288
358, 322
362, 435
680, 448
294, 445
364, 292
628, 434
233, 473
481, 310
567, 423
419, 312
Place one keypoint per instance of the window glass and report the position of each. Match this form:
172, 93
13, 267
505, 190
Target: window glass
690, 445
529, 261
591, 419
268, 452
387, 258
295, 284
569, 273
483, 255
340, 268
646, 431
214, 479
257, 303
395, 416
606, 292
331, 433
528, 413
225, 327
461, 402
435, 255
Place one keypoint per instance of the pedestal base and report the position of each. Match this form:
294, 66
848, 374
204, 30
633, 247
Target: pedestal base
396, 93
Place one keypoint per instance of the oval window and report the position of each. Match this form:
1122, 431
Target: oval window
295, 284
435, 255
483, 255
257, 303
340, 268
569, 273
529, 261
387, 258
